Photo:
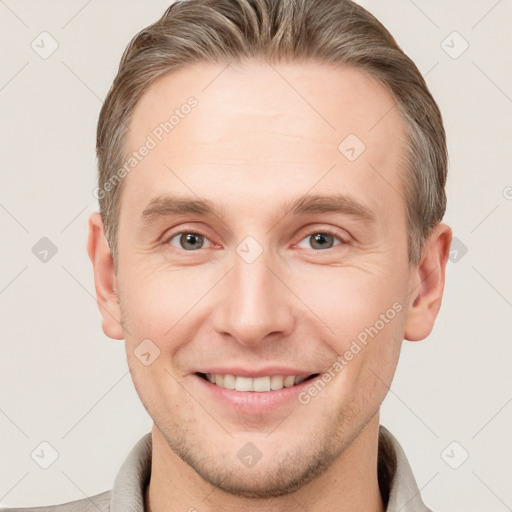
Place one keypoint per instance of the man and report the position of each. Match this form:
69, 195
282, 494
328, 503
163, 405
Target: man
271, 186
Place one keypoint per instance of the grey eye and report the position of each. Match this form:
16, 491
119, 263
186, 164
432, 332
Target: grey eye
319, 241
188, 241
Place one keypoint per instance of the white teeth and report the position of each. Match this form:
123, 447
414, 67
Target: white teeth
243, 384
276, 382
260, 384
289, 381
229, 382
298, 380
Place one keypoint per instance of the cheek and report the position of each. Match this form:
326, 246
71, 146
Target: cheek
348, 300
364, 316
165, 306
153, 305
157, 298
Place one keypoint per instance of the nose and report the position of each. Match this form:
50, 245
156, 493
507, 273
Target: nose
255, 302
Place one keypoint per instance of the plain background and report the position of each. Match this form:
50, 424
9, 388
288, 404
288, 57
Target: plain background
64, 382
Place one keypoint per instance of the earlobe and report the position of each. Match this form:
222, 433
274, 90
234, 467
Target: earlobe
429, 276
104, 278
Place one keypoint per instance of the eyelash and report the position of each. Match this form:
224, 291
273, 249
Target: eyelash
342, 240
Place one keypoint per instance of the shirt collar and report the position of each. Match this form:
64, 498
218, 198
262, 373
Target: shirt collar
396, 480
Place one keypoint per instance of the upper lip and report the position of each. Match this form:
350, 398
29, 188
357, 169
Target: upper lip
257, 372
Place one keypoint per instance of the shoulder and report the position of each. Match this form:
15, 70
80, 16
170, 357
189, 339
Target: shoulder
98, 503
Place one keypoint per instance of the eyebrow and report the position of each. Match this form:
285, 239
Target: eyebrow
169, 205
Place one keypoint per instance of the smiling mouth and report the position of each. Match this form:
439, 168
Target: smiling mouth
258, 384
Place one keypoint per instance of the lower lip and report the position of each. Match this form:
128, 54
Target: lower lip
255, 402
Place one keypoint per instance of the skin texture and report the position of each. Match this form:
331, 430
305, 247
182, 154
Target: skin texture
260, 137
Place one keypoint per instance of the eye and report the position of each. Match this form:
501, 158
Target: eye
192, 241
321, 240
187, 240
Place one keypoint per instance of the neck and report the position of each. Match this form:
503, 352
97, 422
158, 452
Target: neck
350, 483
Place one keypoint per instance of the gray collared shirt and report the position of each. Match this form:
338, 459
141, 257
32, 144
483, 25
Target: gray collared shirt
396, 481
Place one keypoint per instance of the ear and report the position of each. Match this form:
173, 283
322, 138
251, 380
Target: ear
104, 278
428, 278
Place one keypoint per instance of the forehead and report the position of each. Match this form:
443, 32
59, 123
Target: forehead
258, 130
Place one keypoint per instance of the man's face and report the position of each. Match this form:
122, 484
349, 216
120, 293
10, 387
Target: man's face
260, 285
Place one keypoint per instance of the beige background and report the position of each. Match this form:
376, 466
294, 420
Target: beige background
64, 382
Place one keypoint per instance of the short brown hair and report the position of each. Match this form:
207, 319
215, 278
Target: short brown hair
330, 31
